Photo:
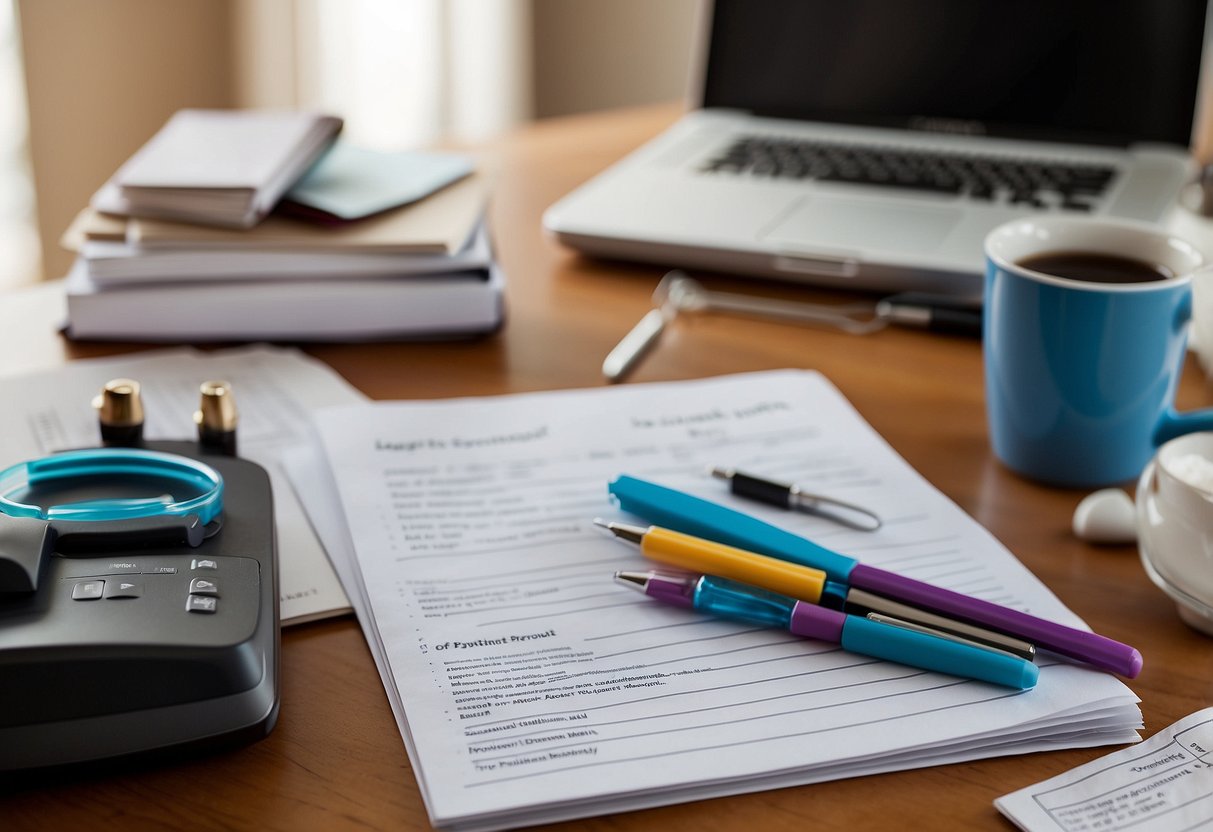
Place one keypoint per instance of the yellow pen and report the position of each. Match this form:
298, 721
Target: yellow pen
803, 583
694, 554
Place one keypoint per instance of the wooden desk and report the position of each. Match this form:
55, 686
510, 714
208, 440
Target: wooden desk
336, 760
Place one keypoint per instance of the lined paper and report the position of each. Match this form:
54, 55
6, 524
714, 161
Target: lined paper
529, 687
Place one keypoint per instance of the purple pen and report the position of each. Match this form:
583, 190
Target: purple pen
1092, 648
860, 586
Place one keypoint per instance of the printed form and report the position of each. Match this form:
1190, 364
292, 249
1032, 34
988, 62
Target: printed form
1163, 785
530, 687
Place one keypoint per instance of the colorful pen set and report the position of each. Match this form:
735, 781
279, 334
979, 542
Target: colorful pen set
703, 537
730, 599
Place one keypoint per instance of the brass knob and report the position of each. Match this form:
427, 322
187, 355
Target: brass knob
217, 409
119, 404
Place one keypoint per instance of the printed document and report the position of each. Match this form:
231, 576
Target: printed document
274, 390
1163, 785
529, 687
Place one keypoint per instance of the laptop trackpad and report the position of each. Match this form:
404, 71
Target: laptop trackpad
864, 226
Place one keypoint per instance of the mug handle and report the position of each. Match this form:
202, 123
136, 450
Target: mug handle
1175, 424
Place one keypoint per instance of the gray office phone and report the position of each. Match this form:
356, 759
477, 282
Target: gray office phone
163, 640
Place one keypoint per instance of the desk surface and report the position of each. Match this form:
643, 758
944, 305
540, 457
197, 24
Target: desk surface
336, 760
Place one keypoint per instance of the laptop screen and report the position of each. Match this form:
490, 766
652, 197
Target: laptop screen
1096, 71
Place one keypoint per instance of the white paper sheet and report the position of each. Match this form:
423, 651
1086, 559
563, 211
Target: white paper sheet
530, 688
274, 391
1165, 784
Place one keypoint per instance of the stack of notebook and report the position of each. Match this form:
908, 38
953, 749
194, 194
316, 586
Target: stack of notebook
360, 244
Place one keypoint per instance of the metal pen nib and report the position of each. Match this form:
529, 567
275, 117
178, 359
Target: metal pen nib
636, 580
119, 408
792, 497
632, 534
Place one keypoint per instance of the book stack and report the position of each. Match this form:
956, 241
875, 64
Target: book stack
181, 245
220, 166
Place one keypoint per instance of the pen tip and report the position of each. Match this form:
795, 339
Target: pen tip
605, 526
636, 580
721, 473
632, 534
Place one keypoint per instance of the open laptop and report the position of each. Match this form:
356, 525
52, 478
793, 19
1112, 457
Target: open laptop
873, 144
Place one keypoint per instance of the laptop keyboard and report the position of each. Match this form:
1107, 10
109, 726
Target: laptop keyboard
1070, 187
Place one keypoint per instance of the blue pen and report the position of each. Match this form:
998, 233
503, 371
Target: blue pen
852, 584
730, 599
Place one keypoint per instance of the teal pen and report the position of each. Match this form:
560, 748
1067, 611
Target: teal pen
729, 599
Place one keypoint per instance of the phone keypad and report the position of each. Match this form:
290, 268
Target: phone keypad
163, 599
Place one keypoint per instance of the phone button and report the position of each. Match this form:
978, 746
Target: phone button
202, 603
118, 588
88, 590
203, 586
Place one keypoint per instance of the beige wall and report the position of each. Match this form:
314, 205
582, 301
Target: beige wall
587, 54
592, 55
103, 75
101, 78
264, 59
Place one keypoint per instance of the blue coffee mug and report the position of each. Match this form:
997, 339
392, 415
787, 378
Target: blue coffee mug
1080, 376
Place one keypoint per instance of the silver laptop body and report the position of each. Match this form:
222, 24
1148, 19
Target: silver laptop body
880, 194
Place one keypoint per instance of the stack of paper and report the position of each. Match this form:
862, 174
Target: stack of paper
402, 252
225, 167
529, 688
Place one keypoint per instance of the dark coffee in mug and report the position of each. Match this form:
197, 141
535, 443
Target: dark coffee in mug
1091, 267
